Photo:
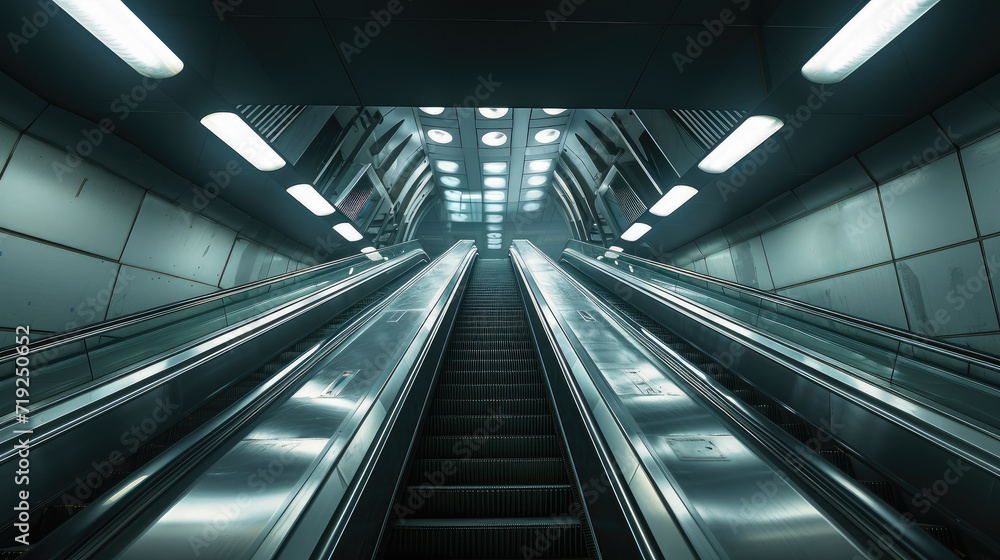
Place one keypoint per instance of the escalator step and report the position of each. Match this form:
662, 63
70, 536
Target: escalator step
492, 471
463, 407
498, 423
455, 377
489, 538
488, 501
488, 446
491, 392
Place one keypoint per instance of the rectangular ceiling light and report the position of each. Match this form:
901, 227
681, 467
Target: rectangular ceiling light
494, 167
125, 34
616, 249
235, 132
745, 139
348, 232
311, 199
637, 230
674, 199
874, 27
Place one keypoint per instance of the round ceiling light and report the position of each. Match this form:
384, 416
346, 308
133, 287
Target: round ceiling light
450, 181
494, 139
532, 206
547, 136
432, 110
447, 166
540, 165
554, 112
494, 112
537, 180
533, 194
439, 136
495, 182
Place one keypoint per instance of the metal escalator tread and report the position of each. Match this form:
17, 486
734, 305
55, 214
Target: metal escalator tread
488, 478
58, 511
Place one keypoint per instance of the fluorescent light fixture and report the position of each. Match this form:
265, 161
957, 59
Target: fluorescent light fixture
457, 206
611, 255
235, 132
447, 166
637, 230
537, 180
368, 250
533, 194
674, 199
493, 113
432, 110
308, 197
348, 232
376, 256
494, 167
493, 208
494, 236
125, 34
495, 182
554, 112
459, 217
494, 227
452, 195
740, 142
439, 136
616, 249
450, 181
874, 27
495, 196
547, 136
540, 165
494, 139
494, 246
494, 218
532, 206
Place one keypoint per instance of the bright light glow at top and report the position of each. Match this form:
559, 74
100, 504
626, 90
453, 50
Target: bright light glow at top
554, 112
673, 200
308, 197
637, 230
439, 136
547, 136
874, 27
126, 35
540, 165
494, 139
432, 110
493, 113
447, 166
740, 142
232, 130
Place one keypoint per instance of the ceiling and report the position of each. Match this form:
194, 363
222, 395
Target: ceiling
607, 54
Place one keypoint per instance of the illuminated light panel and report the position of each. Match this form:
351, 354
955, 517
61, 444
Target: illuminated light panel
376, 256
874, 27
495, 196
311, 199
432, 110
752, 133
533, 194
348, 232
495, 182
450, 181
238, 135
637, 230
494, 246
457, 206
494, 236
368, 250
126, 35
554, 112
611, 255
493, 208
459, 217
494, 218
494, 167
452, 195
674, 199
494, 228
495, 138
540, 165
439, 136
537, 180
493, 113
532, 206
616, 249
547, 136
446, 166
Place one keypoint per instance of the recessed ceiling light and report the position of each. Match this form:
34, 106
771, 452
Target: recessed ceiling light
432, 110
493, 113
637, 230
494, 227
494, 247
495, 167
495, 182
540, 165
439, 136
348, 232
612, 254
368, 250
125, 34
308, 197
554, 112
616, 249
532, 206
547, 136
459, 217
235, 132
495, 196
874, 27
447, 166
457, 206
452, 195
533, 194
494, 139
494, 236
740, 142
537, 180
493, 208
673, 200
450, 181
494, 218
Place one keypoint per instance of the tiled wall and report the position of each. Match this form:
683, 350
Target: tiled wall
906, 233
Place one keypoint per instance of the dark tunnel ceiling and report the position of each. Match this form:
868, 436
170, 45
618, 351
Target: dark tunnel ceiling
606, 54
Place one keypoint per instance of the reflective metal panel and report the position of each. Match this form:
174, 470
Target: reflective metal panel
917, 144
169, 239
137, 289
720, 265
839, 182
982, 169
947, 293
928, 208
750, 264
50, 195
247, 262
279, 265
872, 294
845, 236
8, 136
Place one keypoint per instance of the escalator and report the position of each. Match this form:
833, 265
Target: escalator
108, 475
489, 475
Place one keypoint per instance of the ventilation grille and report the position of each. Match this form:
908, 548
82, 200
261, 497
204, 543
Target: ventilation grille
270, 120
708, 127
628, 201
354, 202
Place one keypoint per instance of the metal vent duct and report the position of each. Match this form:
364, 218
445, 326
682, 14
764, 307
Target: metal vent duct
708, 127
270, 120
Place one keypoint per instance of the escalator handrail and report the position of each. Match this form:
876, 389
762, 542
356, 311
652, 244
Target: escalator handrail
901, 336
96, 329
